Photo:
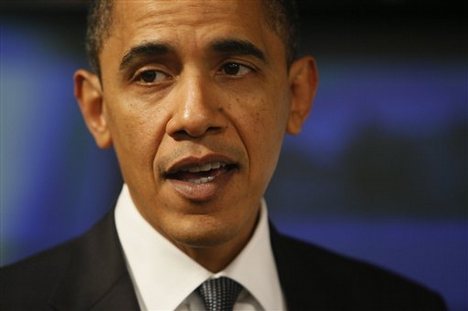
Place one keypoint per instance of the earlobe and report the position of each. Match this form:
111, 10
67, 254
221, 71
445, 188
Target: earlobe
88, 93
303, 81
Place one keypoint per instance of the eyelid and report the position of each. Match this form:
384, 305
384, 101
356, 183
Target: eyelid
136, 76
245, 64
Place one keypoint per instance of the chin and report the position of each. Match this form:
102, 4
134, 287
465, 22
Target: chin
204, 232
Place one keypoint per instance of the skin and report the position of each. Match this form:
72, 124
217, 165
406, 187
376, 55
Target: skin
199, 106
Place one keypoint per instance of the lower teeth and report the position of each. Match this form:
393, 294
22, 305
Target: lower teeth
202, 180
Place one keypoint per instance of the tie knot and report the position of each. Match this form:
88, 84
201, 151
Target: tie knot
219, 294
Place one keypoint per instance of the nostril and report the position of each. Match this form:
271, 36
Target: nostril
192, 134
193, 119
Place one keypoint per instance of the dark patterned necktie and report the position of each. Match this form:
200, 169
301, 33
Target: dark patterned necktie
219, 294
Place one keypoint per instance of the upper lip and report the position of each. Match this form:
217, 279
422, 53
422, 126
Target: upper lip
191, 162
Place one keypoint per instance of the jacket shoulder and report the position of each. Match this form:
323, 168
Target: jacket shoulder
31, 281
343, 283
86, 273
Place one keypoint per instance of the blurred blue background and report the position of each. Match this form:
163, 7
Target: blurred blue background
379, 172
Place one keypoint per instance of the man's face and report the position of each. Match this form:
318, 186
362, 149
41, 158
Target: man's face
196, 100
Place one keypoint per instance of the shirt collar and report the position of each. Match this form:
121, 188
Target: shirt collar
156, 266
255, 267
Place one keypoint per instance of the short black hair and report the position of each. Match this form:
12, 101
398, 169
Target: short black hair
281, 16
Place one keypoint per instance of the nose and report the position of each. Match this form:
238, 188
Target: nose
196, 111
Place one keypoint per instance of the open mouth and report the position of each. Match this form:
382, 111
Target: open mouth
200, 173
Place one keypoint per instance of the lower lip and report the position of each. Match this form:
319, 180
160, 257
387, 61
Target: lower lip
202, 192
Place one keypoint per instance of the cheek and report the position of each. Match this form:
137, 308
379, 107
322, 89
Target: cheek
262, 125
136, 134
267, 121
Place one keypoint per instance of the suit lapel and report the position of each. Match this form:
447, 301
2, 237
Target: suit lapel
306, 284
97, 277
289, 278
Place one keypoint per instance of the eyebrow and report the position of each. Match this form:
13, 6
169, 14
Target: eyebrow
223, 46
148, 49
237, 47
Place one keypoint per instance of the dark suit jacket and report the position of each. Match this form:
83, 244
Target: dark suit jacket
89, 273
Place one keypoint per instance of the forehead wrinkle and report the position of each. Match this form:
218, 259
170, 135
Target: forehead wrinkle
153, 15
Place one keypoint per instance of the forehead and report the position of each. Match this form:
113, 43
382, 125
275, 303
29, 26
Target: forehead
189, 22
187, 8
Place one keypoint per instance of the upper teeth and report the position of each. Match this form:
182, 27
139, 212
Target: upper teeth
204, 168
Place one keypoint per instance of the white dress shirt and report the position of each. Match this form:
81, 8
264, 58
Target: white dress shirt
165, 278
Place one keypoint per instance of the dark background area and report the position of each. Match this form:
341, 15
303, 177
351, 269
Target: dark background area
379, 172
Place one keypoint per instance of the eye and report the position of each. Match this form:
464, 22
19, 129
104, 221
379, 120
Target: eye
235, 69
151, 76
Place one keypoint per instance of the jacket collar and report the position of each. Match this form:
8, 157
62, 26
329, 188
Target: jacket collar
97, 276
306, 281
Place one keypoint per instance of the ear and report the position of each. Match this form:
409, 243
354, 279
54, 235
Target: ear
303, 82
88, 93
